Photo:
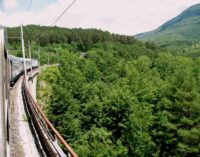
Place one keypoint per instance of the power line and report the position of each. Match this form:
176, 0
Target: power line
29, 6
66, 9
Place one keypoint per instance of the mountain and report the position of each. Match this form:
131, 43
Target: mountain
181, 33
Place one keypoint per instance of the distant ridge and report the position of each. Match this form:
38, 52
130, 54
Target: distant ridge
177, 33
190, 12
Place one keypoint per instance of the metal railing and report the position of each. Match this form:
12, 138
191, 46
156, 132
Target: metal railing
49, 136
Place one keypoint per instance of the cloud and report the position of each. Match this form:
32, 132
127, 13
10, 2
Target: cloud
118, 16
9, 4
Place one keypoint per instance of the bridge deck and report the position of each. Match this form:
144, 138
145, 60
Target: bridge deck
24, 143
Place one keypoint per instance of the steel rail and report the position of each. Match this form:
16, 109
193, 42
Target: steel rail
45, 125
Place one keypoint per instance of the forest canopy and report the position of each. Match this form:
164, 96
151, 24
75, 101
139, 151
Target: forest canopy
126, 100
121, 98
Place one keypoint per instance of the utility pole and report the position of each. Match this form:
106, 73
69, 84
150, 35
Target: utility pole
48, 58
23, 51
38, 57
29, 50
58, 57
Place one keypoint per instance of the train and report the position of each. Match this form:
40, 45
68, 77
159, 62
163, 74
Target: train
11, 68
16, 67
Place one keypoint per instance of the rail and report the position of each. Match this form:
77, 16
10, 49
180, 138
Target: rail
49, 136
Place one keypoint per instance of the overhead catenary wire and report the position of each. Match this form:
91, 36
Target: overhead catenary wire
56, 20
23, 49
29, 6
66, 9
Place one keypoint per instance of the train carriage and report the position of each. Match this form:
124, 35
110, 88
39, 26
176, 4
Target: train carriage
28, 64
34, 63
16, 68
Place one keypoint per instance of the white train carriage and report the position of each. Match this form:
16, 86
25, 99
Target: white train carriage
34, 63
16, 67
28, 64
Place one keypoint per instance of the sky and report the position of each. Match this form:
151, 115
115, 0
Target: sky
127, 17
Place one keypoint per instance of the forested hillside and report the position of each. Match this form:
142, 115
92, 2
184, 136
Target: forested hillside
125, 100
180, 34
122, 98
51, 40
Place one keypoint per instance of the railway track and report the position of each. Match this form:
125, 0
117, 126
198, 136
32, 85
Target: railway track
11, 68
49, 137
24, 141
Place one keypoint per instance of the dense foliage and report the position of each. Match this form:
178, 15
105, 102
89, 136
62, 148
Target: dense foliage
82, 38
48, 42
120, 97
126, 100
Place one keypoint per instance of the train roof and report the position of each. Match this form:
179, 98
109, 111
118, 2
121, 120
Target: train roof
14, 58
34, 60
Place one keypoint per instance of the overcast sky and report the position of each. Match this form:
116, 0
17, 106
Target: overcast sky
117, 16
